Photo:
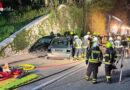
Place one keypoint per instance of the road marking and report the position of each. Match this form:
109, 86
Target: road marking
58, 78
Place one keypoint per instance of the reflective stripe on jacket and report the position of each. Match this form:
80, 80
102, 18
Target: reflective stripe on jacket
77, 43
110, 56
94, 55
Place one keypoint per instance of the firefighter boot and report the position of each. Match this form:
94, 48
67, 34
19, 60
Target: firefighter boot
87, 78
94, 81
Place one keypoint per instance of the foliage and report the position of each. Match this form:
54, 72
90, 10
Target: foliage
79, 31
21, 41
77, 15
10, 22
6, 31
105, 5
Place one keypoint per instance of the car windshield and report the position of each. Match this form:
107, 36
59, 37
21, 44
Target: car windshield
60, 43
45, 40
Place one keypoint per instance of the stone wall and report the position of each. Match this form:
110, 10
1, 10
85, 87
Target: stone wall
58, 21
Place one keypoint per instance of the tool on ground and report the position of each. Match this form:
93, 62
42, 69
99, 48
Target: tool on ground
121, 67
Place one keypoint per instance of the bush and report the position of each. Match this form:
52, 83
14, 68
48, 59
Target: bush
2, 21
10, 22
6, 31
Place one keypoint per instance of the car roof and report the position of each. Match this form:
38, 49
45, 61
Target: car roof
61, 38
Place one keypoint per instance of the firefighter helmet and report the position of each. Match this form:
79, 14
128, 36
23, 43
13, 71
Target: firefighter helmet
110, 39
119, 37
71, 33
127, 39
94, 33
76, 37
88, 33
86, 37
108, 45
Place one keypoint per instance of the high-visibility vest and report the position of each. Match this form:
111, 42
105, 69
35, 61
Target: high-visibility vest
85, 43
77, 43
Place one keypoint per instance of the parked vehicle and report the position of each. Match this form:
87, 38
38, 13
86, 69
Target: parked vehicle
42, 43
60, 47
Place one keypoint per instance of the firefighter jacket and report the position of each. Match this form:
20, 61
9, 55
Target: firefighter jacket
110, 56
94, 55
77, 43
117, 44
85, 43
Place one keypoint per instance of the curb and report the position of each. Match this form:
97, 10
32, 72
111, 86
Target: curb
22, 60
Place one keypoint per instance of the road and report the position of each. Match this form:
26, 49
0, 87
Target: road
76, 81
71, 76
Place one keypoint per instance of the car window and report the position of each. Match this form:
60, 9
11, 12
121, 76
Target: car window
45, 40
60, 43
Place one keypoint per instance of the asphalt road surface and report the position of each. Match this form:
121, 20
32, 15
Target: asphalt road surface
71, 77
76, 80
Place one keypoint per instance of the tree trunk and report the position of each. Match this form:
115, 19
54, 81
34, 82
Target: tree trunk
46, 3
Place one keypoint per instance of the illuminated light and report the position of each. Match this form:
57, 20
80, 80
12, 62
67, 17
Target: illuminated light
123, 28
115, 27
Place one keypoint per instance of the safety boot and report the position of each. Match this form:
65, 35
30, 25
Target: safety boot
87, 78
94, 81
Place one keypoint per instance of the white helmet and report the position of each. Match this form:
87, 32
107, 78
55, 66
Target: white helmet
119, 37
110, 39
86, 37
76, 37
95, 39
88, 33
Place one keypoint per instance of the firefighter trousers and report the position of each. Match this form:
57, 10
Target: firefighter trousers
118, 52
108, 69
77, 53
84, 51
92, 68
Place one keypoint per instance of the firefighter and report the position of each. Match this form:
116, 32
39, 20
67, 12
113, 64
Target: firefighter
96, 40
118, 46
111, 41
110, 58
77, 45
126, 47
85, 43
94, 57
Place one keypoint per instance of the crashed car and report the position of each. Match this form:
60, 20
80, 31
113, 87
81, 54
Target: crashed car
60, 47
42, 43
